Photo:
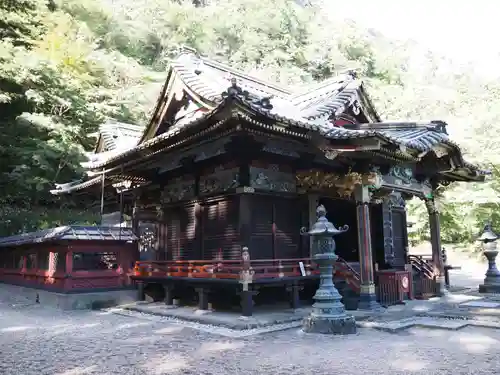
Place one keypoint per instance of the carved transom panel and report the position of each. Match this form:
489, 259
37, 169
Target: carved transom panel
222, 179
272, 179
179, 189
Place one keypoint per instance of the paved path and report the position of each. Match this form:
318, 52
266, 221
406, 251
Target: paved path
36, 340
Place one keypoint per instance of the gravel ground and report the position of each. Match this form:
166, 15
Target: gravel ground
37, 340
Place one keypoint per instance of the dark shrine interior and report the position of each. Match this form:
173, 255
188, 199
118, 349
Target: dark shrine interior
343, 212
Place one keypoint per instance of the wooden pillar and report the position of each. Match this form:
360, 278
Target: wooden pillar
141, 295
435, 232
202, 298
69, 270
169, 294
294, 294
367, 296
69, 262
313, 202
245, 216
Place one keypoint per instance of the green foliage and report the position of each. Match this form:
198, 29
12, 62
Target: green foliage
14, 219
67, 65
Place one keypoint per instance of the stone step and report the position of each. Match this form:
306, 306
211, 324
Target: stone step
428, 322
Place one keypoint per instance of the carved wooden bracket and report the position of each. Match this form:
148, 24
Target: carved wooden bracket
344, 184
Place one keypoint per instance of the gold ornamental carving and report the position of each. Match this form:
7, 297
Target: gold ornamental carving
344, 184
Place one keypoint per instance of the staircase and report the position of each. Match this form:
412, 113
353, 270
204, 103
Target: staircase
347, 280
424, 278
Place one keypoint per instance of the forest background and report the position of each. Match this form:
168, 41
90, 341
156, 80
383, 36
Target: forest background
67, 66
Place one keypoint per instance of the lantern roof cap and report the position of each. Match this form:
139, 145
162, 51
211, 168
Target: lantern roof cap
322, 226
488, 235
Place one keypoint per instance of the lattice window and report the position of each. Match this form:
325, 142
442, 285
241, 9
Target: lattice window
43, 260
31, 261
94, 261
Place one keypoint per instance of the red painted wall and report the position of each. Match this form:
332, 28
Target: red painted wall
66, 278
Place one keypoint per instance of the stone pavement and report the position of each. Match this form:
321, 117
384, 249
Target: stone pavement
456, 311
42, 341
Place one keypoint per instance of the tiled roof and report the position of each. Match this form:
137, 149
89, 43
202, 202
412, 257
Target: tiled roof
73, 232
118, 135
209, 79
113, 138
416, 136
77, 185
310, 108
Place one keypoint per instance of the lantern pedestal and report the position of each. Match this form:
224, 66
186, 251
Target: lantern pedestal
492, 280
328, 315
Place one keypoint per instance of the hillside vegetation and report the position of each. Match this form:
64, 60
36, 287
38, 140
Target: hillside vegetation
67, 65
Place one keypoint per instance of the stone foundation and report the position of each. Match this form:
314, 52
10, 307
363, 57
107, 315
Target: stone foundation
489, 288
73, 301
342, 325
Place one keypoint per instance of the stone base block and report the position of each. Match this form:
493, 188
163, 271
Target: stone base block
341, 325
489, 288
72, 301
368, 301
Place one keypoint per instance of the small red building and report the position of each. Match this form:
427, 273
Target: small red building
92, 264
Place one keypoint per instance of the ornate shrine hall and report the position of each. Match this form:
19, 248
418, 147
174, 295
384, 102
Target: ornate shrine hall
231, 162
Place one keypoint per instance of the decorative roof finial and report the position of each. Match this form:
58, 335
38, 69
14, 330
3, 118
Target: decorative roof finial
440, 126
187, 49
353, 73
234, 90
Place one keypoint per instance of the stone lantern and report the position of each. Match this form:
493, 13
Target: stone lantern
492, 280
328, 315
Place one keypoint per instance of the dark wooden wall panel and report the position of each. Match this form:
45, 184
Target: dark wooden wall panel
220, 230
189, 244
261, 227
399, 236
287, 217
377, 234
275, 227
173, 223
161, 245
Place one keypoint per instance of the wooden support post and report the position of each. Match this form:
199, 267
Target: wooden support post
202, 298
169, 296
294, 290
367, 296
247, 302
141, 296
447, 277
437, 258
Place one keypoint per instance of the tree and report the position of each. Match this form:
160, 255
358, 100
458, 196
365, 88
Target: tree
67, 65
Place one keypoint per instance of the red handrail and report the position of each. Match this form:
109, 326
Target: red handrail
230, 269
422, 265
223, 269
352, 277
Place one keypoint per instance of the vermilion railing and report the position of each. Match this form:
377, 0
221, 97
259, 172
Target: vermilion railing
232, 269
225, 269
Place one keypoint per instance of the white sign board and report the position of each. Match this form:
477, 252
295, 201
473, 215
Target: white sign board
302, 268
